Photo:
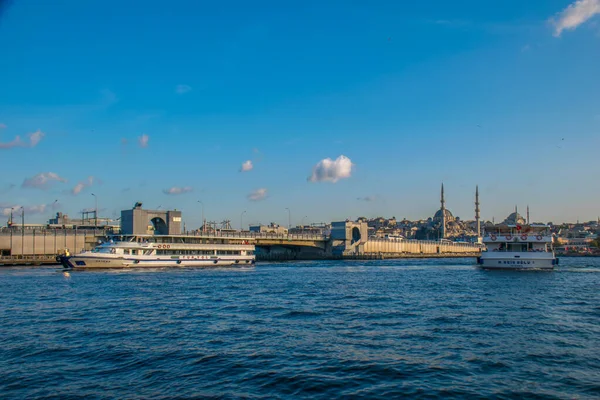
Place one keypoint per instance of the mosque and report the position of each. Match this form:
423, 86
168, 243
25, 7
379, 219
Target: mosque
443, 224
516, 218
446, 225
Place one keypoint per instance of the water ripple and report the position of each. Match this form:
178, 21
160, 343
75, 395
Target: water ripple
359, 329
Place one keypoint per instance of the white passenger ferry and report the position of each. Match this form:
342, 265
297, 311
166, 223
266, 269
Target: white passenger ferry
128, 251
518, 247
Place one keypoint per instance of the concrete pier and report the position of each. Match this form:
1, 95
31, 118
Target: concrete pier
10, 261
42, 245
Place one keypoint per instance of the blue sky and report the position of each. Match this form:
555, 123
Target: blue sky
502, 94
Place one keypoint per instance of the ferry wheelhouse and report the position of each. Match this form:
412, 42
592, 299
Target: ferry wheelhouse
518, 247
138, 251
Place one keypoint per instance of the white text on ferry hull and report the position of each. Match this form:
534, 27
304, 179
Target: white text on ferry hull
511, 263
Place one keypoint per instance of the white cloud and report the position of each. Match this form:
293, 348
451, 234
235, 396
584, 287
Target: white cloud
178, 190
78, 188
328, 170
258, 195
143, 140
35, 209
34, 139
82, 185
574, 15
16, 142
181, 89
42, 180
247, 166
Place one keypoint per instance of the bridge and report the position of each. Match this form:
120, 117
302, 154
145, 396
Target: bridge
346, 240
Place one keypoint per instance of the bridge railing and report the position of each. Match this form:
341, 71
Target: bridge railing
51, 232
259, 235
424, 242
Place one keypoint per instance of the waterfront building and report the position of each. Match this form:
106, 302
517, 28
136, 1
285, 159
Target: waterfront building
63, 221
271, 228
312, 229
138, 221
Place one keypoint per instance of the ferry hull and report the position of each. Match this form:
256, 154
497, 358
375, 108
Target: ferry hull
517, 262
87, 262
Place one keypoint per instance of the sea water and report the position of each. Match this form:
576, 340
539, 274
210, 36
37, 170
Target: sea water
360, 329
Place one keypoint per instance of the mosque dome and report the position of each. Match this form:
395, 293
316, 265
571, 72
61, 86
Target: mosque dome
438, 216
514, 219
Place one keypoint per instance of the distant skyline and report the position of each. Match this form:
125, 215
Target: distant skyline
331, 109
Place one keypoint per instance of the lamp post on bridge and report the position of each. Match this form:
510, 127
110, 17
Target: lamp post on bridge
95, 211
52, 206
241, 220
203, 223
289, 219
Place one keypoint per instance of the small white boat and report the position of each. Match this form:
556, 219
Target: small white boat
518, 247
163, 251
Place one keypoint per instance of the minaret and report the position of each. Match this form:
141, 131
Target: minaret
443, 227
528, 214
477, 212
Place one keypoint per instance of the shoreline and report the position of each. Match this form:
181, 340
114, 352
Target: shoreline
33, 264
46, 263
578, 255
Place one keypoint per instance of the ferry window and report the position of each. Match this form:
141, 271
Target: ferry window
227, 252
